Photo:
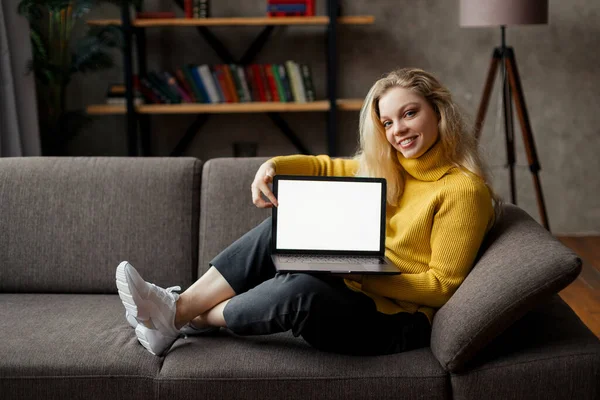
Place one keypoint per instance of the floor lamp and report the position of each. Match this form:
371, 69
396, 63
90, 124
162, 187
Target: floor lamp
483, 13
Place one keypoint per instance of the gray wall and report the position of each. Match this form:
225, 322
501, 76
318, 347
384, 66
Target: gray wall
558, 63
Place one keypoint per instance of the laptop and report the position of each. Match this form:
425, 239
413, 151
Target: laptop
331, 225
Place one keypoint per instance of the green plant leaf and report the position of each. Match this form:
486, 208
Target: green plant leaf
38, 46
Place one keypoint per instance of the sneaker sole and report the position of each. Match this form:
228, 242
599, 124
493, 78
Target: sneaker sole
140, 332
126, 295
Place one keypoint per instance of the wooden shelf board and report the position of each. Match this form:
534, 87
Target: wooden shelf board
256, 107
247, 21
349, 104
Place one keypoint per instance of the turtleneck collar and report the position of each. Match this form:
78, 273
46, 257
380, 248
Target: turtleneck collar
430, 167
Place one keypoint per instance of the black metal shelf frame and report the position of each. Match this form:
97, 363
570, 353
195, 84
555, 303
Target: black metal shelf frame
139, 142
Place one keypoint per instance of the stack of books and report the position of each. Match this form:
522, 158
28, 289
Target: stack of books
290, 8
196, 8
228, 83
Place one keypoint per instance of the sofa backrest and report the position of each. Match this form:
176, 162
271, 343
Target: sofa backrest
226, 204
66, 223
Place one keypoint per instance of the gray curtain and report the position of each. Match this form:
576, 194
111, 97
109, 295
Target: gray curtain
19, 131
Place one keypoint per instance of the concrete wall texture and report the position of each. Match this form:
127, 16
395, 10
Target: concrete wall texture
559, 64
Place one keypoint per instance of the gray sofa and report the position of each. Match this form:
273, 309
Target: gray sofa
67, 222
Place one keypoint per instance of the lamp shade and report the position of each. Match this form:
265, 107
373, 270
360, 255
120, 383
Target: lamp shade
503, 12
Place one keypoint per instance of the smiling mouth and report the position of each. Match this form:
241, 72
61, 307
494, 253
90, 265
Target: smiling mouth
408, 141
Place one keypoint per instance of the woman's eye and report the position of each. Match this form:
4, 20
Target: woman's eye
387, 124
410, 113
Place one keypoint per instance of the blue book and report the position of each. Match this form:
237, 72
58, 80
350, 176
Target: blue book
198, 81
286, 8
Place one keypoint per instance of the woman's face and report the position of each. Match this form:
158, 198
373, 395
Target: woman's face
410, 123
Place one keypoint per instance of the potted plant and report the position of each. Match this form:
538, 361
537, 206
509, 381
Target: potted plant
58, 56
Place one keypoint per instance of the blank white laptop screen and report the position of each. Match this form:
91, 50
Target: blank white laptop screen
328, 215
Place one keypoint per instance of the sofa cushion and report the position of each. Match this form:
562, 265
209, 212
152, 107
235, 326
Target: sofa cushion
520, 265
547, 354
226, 204
71, 347
280, 366
68, 222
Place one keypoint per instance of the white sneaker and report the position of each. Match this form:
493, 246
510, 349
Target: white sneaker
188, 329
152, 306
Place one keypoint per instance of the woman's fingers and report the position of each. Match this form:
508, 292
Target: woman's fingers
267, 190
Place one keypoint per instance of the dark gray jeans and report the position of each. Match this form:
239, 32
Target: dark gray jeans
327, 314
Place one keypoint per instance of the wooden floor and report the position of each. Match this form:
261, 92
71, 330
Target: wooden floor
583, 295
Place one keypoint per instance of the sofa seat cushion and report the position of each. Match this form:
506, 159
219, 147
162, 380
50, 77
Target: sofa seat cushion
548, 354
224, 366
56, 346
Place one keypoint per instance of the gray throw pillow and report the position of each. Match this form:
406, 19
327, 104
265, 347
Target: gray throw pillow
520, 265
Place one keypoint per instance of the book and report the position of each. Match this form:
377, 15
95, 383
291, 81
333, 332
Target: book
278, 83
244, 83
200, 87
156, 94
233, 94
186, 84
309, 87
254, 95
271, 82
188, 8
259, 82
285, 83
237, 83
121, 100
209, 83
172, 82
163, 87
309, 8
221, 81
286, 8
296, 81
201, 9
154, 15
264, 82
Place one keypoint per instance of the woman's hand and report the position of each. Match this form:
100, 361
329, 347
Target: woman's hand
264, 176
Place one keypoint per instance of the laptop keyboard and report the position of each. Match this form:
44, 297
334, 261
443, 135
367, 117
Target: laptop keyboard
330, 259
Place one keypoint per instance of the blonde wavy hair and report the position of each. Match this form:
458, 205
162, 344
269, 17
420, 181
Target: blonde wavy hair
377, 157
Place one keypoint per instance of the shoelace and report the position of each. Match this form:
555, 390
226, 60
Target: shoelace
168, 293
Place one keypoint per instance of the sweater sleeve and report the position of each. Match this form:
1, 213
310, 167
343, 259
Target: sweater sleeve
464, 215
314, 166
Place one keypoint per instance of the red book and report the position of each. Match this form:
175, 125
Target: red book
258, 82
310, 8
252, 83
271, 81
230, 83
265, 82
145, 91
222, 81
185, 85
188, 8
155, 15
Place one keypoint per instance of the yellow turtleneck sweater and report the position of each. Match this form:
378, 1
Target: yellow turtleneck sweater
432, 236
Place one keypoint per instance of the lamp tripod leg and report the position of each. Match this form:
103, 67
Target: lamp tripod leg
519, 98
487, 91
509, 129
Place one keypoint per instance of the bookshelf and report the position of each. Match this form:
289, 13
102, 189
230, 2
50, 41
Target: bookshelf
250, 21
137, 116
193, 108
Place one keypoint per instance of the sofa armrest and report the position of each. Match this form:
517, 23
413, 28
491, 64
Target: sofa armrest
520, 265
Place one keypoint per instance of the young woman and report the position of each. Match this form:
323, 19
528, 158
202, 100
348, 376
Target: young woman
439, 208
